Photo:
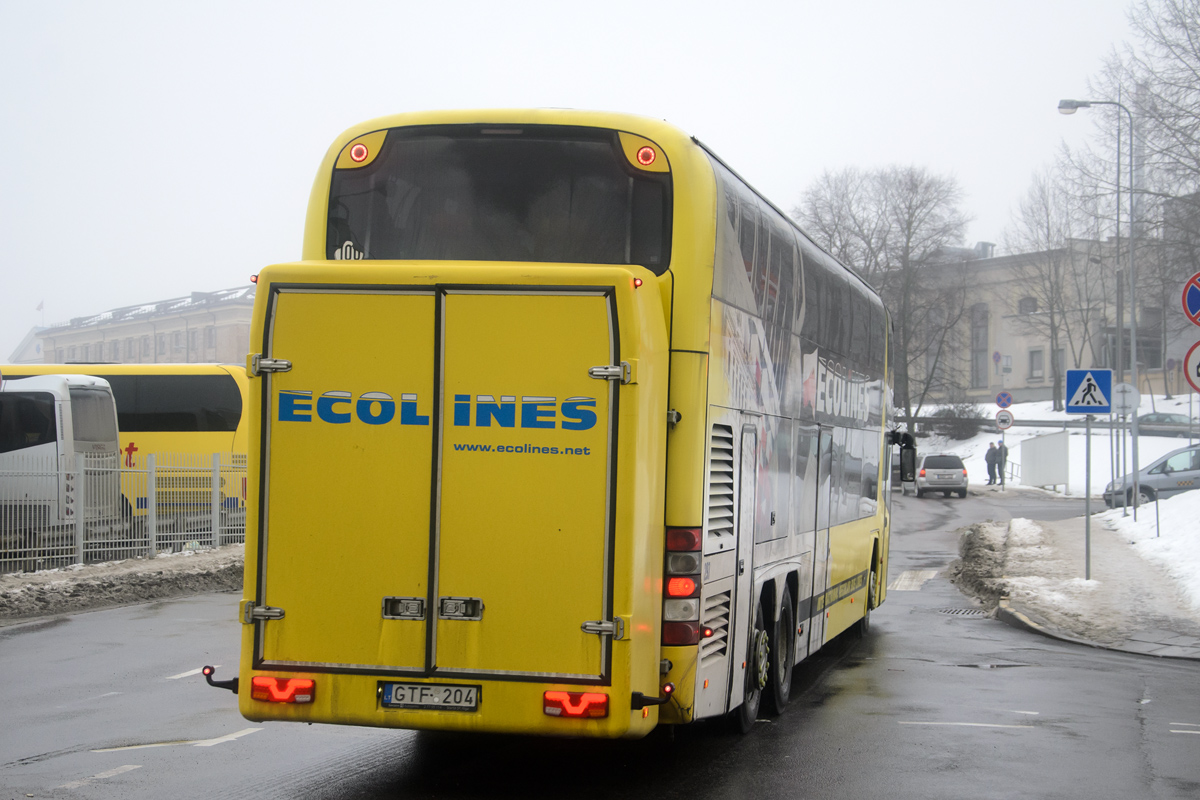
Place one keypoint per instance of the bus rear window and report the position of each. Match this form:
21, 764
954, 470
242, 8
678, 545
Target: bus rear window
92, 415
26, 420
467, 193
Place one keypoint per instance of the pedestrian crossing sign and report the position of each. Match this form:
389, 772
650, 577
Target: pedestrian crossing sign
1089, 391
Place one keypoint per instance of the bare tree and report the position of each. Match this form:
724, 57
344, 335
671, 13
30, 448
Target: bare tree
884, 223
1063, 283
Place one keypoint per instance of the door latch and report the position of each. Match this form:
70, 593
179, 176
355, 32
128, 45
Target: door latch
404, 608
253, 613
603, 627
622, 372
258, 365
460, 608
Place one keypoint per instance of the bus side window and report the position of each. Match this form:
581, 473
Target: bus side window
814, 296
747, 232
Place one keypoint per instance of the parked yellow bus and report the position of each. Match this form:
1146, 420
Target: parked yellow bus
193, 410
558, 428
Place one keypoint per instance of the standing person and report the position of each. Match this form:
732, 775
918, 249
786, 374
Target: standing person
1001, 458
990, 458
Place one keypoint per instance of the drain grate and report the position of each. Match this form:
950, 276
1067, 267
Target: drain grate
964, 612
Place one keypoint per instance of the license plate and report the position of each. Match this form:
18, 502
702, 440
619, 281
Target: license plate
437, 696
946, 476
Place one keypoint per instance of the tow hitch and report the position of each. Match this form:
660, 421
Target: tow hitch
231, 685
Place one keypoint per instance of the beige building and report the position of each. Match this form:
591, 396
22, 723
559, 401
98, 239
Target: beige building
1028, 318
211, 327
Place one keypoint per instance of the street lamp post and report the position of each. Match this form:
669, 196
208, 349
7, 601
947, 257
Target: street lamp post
1070, 107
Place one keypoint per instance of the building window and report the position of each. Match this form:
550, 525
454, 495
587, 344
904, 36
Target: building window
1027, 305
979, 346
58, 356
162, 344
1037, 365
145, 351
71, 353
210, 337
177, 340
129, 349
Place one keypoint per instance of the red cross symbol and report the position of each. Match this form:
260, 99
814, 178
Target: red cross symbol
129, 451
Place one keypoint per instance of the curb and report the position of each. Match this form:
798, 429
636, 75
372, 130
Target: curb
1021, 620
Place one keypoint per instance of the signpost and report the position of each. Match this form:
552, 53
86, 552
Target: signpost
1089, 391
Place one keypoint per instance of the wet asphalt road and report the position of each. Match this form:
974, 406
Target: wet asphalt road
934, 703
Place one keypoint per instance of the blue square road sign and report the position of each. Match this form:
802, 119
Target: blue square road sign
1089, 391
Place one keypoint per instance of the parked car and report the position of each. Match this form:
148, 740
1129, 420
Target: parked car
1177, 471
1160, 424
941, 472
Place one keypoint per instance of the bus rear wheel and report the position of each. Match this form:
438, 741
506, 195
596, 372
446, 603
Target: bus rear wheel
757, 662
783, 643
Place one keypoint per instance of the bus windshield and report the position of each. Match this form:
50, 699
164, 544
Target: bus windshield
26, 420
476, 194
93, 415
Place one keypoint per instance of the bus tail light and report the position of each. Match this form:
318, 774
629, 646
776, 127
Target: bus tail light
679, 633
683, 539
575, 704
681, 586
270, 689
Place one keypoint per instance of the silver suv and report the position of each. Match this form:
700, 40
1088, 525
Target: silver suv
941, 472
1177, 471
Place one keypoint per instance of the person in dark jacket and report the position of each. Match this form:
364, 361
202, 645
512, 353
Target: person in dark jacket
992, 457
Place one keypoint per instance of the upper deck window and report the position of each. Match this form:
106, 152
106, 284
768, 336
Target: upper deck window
471, 193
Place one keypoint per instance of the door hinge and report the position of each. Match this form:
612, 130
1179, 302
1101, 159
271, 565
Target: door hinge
253, 613
258, 365
622, 372
603, 627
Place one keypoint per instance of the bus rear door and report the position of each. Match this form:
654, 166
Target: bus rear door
437, 482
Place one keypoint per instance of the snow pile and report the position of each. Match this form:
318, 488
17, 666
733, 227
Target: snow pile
80, 588
1169, 539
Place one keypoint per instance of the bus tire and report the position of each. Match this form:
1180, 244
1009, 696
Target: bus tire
783, 647
757, 660
864, 624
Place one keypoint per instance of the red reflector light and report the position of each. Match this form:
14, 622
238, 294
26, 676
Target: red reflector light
270, 689
646, 156
575, 704
680, 633
358, 153
637, 282
254, 279
681, 587
683, 539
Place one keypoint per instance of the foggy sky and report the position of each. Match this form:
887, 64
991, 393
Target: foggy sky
155, 149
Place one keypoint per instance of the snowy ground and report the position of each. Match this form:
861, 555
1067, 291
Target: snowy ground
1144, 573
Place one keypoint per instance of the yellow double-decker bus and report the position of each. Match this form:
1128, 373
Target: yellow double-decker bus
558, 428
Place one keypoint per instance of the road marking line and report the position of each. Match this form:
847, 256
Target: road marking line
194, 742
227, 738
101, 776
1187, 724
1030, 713
911, 580
969, 724
189, 673
1196, 732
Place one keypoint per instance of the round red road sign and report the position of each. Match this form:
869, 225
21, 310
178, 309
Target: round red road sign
1191, 366
1191, 299
1004, 420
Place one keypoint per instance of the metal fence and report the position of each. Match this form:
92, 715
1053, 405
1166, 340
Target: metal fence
101, 511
